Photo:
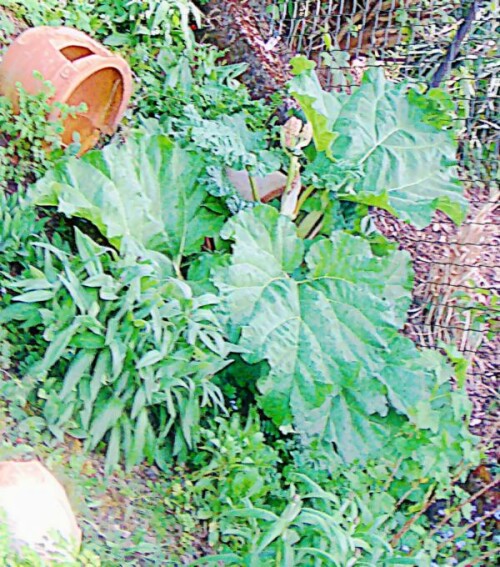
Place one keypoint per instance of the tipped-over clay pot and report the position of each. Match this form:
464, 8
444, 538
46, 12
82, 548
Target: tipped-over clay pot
81, 70
36, 509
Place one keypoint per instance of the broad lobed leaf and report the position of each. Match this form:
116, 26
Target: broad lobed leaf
146, 191
329, 332
383, 148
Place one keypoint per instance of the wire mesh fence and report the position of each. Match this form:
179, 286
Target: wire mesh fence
452, 44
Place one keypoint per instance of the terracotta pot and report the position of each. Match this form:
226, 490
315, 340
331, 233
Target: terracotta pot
268, 187
36, 509
80, 69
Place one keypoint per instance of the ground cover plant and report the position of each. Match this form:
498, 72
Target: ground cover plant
249, 354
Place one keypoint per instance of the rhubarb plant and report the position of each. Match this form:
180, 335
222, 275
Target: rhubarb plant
325, 313
326, 320
381, 145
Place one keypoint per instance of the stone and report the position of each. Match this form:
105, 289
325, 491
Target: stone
36, 510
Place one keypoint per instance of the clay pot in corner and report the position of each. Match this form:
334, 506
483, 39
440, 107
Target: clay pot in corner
36, 510
81, 70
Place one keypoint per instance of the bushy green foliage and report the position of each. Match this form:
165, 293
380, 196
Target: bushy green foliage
128, 182
6, 27
18, 226
326, 323
324, 315
126, 331
381, 146
130, 353
155, 37
340, 516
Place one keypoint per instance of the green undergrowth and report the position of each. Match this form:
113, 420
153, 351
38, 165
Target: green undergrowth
29, 142
226, 381
126, 518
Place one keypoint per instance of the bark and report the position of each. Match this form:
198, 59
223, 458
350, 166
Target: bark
241, 27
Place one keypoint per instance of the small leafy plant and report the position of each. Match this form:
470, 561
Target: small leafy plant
29, 142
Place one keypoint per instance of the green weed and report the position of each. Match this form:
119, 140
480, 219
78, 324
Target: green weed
29, 142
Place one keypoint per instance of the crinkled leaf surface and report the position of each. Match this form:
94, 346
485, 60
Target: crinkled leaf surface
146, 190
329, 331
230, 140
389, 149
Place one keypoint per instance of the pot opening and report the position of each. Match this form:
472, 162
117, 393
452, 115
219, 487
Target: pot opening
102, 92
74, 52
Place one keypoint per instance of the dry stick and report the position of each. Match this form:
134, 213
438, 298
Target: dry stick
466, 529
393, 474
491, 553
462, 468
462, 504
429, 499
405, 496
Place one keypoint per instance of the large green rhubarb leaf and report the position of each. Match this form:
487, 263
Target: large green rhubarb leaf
146, 191
327, 323
385, 149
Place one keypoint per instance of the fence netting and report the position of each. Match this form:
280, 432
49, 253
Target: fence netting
448, 43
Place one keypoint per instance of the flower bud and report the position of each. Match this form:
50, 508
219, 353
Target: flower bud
290, 132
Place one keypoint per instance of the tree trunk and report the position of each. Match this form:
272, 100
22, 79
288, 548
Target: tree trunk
241, 27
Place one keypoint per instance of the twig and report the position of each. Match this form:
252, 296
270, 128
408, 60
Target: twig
393, 473
429, 499
466, 529
405, 496
481, 558
462, 504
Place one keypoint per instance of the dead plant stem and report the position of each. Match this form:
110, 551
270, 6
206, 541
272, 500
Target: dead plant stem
465, 529
464, 503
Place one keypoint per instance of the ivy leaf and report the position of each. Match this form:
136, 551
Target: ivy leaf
339, 370
146, 191
385, 148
